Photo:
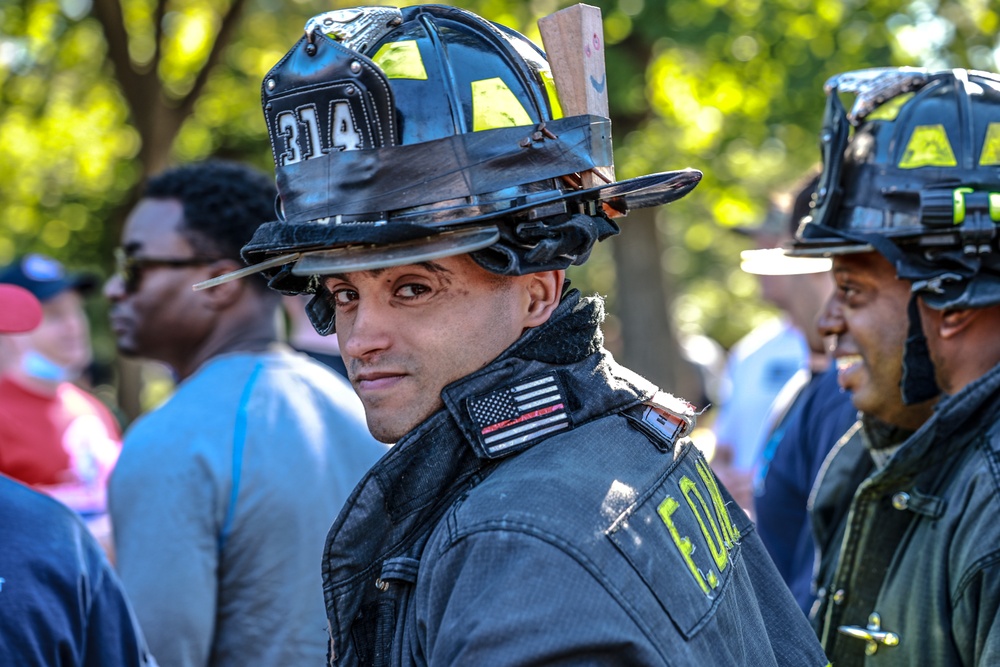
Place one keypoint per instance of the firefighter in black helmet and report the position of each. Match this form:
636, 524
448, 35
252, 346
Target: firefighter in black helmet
904, 515
542, 504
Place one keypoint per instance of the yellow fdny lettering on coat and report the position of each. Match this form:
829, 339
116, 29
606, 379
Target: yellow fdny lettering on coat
666, 511
713, 520
729, 533
706, 522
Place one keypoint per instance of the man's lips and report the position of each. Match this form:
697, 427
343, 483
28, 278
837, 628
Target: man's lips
376, 380
118, 323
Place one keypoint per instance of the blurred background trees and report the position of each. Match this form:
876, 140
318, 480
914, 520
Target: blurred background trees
96, 94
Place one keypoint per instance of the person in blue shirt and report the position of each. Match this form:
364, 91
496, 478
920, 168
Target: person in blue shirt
61, 602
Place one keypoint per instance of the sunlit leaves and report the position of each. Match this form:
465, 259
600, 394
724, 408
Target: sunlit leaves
731, 87
189, 32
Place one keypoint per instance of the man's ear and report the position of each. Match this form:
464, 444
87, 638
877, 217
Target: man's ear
544, 293
222, 296
953, 322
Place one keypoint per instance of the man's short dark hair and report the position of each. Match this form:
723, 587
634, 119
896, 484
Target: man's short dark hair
224, 203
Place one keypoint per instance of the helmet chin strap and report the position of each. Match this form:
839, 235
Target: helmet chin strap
918, 383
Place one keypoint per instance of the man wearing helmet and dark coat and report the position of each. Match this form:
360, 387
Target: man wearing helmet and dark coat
905, 510
541, 504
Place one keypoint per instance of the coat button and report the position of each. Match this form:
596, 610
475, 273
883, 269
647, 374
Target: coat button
839, 596
901, 500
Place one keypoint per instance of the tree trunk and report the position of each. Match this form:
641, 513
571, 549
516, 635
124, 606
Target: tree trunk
643, 297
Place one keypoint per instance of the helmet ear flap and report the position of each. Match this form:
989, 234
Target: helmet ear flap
321, 314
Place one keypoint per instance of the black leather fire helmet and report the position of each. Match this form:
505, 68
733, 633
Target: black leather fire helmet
405, 135
919, 182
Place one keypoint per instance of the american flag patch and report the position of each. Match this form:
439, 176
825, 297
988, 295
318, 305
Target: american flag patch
516, 415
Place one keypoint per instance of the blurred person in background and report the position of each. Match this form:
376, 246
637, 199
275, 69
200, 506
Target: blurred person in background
762, 362
55, 436
60, 600
223, 495
809, 415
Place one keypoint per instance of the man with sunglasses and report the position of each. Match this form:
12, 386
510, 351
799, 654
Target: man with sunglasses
223, 495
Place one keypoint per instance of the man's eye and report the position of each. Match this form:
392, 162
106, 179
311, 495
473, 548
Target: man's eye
343, 297
412, 290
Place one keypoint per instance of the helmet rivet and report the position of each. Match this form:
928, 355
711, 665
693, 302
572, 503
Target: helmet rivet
349, 90
356, 67
327, 21
310, 49
826, 136
271, 84
268, 106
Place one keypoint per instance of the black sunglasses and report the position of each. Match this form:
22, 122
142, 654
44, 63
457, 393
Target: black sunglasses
130, 268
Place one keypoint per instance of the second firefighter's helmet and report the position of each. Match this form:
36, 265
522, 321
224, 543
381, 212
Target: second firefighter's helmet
918, 180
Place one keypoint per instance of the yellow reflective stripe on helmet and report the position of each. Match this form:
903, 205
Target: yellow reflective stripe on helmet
550, 92
991, 146
890, 109
494, 105
928, 147
401, 60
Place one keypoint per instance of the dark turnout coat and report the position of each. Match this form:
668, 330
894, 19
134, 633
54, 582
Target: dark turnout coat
552, 514
910, 573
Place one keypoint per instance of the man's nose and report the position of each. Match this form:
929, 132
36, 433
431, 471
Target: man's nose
114, 288
830, 321
367, 330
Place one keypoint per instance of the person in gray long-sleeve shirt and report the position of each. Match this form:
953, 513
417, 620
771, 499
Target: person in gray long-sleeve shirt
222, 497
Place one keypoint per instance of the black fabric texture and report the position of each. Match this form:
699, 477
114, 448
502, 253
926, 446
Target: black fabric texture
571, 334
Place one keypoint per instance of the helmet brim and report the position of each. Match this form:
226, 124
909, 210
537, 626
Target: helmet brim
457, 238
354, 258
828, 248
777, 262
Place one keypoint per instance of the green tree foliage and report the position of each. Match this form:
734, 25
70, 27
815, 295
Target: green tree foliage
735, 88
94, 94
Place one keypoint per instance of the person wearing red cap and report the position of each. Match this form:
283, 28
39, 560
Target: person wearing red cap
19, 310
54, 435
59, 596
